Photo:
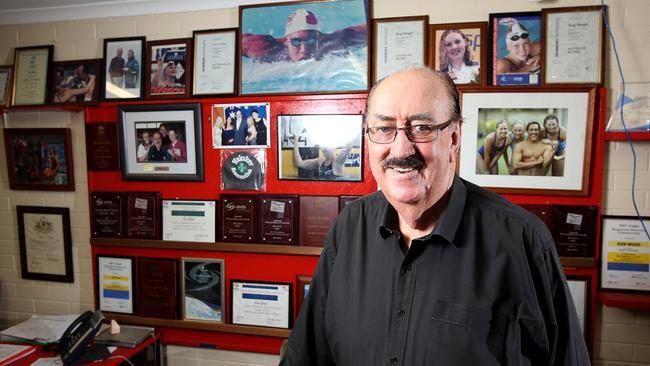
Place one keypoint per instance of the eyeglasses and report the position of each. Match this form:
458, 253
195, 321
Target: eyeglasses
516, 37
296, 42
414, 133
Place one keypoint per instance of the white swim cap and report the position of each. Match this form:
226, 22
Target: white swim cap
301, 19
516, 30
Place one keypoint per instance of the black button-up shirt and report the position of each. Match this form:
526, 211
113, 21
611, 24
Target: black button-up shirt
485, 287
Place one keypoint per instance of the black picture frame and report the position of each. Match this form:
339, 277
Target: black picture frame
203, 66
27, 72
70, 82
114, 87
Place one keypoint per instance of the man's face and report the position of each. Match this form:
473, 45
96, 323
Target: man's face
157, 140
163, 130
533, 132
120, 52
146, 138
518, 131
455, 45
238, 115
130, 55
551, 126
519, 49
302, 45
396, 102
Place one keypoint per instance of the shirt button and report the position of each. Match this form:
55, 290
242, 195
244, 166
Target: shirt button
393, 361
409, 267
401, 313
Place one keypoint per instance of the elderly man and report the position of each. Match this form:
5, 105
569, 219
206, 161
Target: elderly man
433, 270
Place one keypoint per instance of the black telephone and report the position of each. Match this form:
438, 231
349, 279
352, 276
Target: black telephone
78, 335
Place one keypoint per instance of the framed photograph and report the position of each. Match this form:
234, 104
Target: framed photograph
116, 291
398, 43
262, 304
573, 45
31, 79
521, 141
39, 159
161, 142
189, 220
203, 289
457, 49
515, 55
325, 147
75, 82
169, 66
244, 125
6, 76
579, 287
45, 241
304, 282
215, 62
304, 47
122, 65
625, 253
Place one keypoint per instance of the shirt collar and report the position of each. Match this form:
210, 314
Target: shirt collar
448, 223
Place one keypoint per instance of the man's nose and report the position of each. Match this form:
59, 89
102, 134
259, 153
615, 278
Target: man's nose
402, 146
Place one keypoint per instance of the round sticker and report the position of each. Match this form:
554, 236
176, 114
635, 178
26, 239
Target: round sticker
242, 171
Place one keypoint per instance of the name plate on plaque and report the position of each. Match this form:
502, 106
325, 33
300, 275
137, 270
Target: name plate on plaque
102, 149
142, 215
317, 214
278, 219
574, 229
238, 218
158, 290
107, 212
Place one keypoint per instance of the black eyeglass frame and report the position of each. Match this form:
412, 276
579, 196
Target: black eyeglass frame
438, 128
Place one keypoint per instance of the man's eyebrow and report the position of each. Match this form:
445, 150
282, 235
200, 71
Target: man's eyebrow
424, 116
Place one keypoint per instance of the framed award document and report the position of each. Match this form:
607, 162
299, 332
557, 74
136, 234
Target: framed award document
573, 45
115, 287
6, 73
625, 254
189, 220
262, 304
215, 62
45, 242
398, 43
579, 287
31, 75
203, 289
304, 283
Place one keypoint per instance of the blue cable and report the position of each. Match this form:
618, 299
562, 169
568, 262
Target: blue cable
627, 133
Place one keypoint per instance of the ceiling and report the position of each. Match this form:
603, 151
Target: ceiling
37, 11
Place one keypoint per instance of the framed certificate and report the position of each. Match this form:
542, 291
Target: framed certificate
398, 43
625, 253
215, 62
6, 73
189, 220
169, 66
45, 242
115, 284
579, 287
203, 289
263, 304
304, 283
573, 45
31, 75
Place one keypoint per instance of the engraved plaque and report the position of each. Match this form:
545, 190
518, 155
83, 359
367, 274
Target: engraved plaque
574, 230
102, 149
143, 215
238, 218
107, 213
278, 219
158, 288
317, 213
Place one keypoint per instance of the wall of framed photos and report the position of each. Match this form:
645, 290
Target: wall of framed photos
615, 328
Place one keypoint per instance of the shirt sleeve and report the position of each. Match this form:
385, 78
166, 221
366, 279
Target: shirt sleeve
307, 344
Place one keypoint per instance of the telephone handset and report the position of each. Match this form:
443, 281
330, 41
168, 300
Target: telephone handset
79, 334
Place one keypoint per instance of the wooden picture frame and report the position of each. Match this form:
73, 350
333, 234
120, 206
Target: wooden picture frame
45, 241
75, 82
123, 77
215, 62
517, 31
141, 123
31, 78
169, 69
573, 62
303, 283
39, 159
6, 79
295, 47
568, 111
399, 42
474, 70
580, 288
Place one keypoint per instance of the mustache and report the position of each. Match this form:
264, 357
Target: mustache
408, 162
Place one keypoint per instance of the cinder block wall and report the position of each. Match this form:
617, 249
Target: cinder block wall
622, 337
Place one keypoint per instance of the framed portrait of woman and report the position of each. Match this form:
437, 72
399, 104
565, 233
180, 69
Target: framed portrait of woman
168, 70
456, 48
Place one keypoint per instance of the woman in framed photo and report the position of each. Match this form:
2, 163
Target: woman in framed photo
493, 148
456, 58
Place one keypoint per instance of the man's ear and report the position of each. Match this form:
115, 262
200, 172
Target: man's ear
454, 141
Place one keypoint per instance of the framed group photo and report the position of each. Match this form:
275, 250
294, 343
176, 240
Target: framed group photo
528, 141
304, 47
161, 142
399, 42
123, 68
515, 55
75, 82
215, 62
203, 289
244, 125
322, 147
457, 49
169, 66
31, 79
6, 73
45, 241
39, 159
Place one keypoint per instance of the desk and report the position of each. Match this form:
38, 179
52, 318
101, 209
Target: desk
129, 353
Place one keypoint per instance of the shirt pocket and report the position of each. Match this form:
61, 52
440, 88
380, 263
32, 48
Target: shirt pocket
467, 332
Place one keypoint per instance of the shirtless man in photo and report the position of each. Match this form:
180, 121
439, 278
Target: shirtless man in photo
532, 156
